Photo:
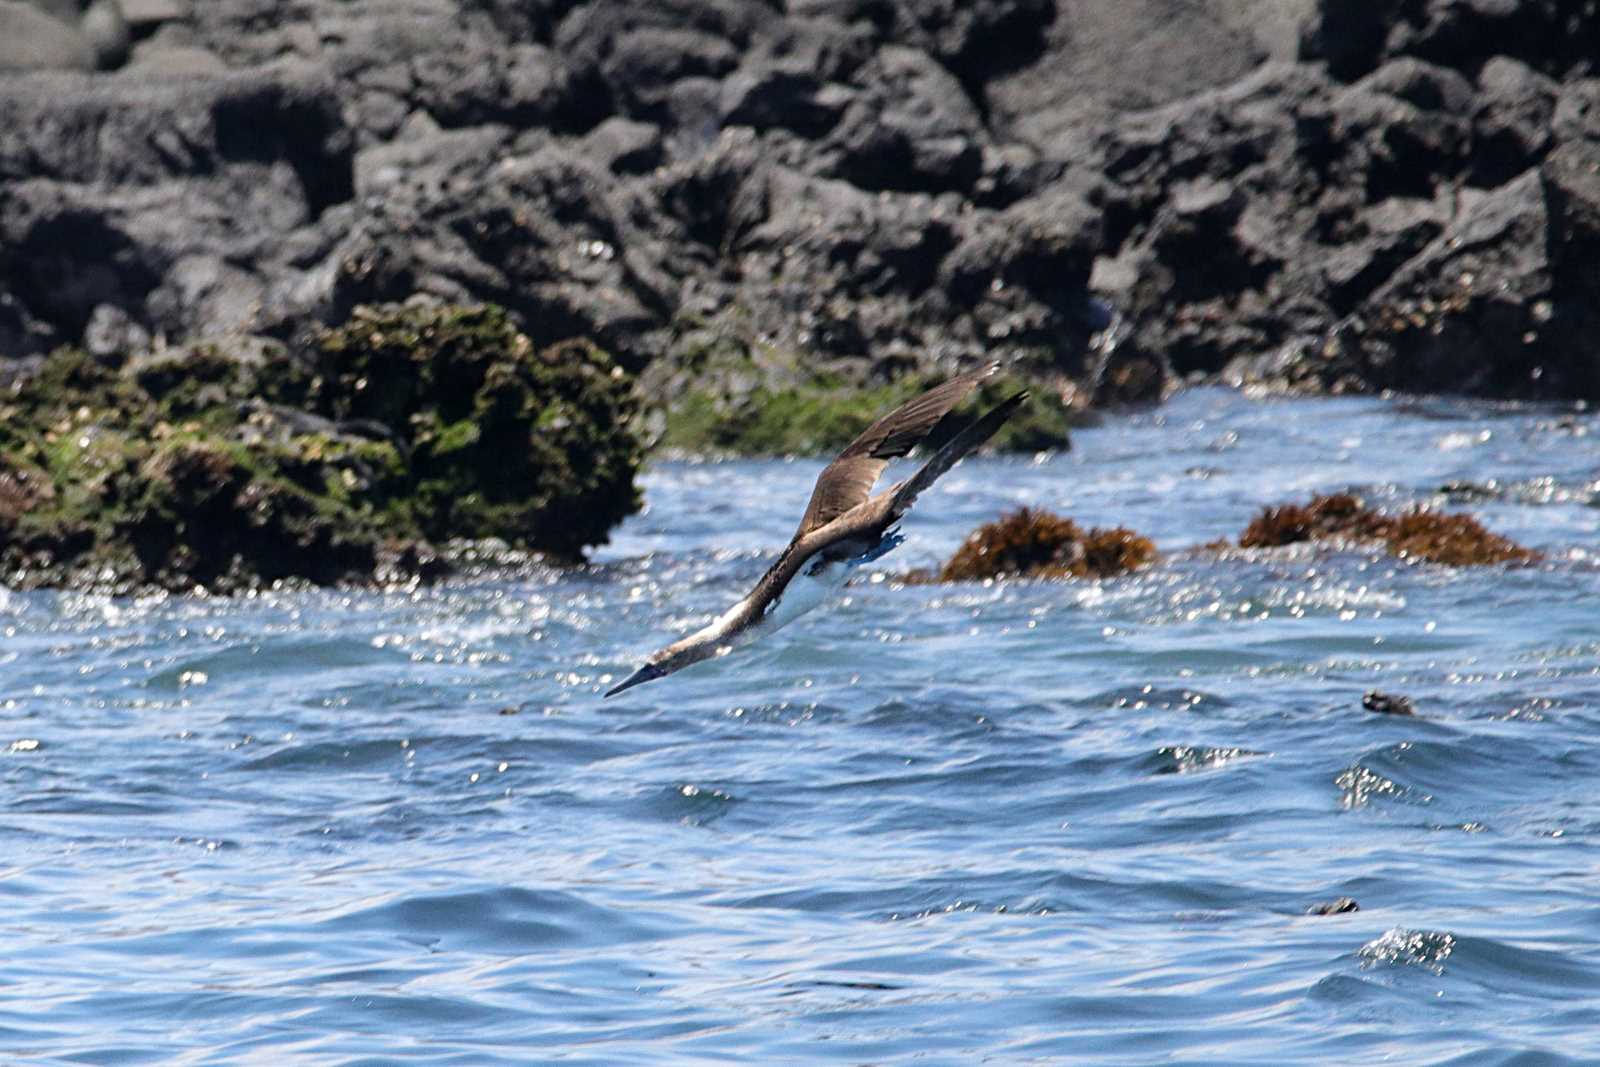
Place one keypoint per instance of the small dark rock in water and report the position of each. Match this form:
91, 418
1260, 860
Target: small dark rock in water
1036, 544
1340, 906
1461, 491
1422, 533
1388, 704
509, 710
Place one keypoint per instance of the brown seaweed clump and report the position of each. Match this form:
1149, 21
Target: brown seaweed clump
1327, 516
1030, 543
1421, 533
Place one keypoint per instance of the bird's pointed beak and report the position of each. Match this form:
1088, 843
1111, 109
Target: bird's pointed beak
649, 672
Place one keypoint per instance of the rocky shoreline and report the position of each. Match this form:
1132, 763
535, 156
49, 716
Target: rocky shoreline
779, 216
1314, 195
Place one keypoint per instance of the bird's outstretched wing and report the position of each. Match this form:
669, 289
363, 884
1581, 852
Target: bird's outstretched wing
870, 518
848, 480
885, 509
973, 435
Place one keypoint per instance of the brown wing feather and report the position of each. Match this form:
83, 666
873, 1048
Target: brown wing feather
905, 494
848, 480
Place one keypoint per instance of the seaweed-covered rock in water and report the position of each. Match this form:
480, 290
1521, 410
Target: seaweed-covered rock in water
234, 464
1421, 533
1036, 544
1454, 540
1388, 703
117, 479
1327, 516
502, 440
727, 398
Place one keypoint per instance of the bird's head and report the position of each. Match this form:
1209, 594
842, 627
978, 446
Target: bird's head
674, 657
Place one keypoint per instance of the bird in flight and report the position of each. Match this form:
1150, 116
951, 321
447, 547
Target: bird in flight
843, 526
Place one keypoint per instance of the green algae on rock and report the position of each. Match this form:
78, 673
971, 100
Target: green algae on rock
501, 440
721, 389
234, 464
1421, 533
1032, 543
822, 412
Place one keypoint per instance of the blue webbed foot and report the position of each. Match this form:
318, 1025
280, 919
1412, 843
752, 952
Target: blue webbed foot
890, 541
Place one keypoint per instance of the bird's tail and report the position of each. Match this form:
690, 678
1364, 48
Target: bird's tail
981, 429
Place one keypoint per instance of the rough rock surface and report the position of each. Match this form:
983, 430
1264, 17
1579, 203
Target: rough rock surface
1311, 194
62, 34
237, 463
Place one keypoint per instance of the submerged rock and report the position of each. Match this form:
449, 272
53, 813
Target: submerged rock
1030, 543
1422, 533
236, 463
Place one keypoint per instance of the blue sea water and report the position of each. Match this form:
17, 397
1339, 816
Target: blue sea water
1060, 822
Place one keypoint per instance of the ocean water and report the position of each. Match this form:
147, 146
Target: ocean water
1067, 822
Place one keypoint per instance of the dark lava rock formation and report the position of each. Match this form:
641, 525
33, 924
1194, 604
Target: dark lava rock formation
1307, 194
235, 463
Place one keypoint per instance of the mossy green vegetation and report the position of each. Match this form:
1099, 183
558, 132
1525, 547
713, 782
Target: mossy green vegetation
1032, 543
719, 389
1420, 534
819, 416
500, 440
234, 464
824, 411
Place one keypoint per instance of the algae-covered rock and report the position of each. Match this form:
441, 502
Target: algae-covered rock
234, 464
752, 402
1031, 543
821, 416
1326, 516
1421, 533
531, 446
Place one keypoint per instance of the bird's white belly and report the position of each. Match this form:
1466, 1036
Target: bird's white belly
804, 592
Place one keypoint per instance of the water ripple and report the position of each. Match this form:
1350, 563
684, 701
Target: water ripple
1008, 822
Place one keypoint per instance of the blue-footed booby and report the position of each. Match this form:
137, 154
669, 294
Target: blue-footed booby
843, 526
